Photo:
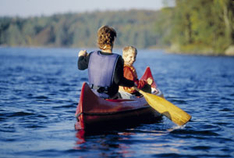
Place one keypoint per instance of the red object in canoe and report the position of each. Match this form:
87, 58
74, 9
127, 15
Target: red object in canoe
97, 113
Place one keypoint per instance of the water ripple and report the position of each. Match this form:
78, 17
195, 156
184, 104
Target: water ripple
40, 89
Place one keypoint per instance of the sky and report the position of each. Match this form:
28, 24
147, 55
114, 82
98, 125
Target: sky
29, 8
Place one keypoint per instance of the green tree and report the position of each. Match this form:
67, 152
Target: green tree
203, 25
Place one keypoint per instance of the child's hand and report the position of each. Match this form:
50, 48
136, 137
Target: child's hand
149, 81
82, 53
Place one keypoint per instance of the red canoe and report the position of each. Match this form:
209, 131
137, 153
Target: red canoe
97, 113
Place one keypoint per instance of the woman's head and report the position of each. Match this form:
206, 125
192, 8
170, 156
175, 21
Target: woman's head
129, 55
106, 37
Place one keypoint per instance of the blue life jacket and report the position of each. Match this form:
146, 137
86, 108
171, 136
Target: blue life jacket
101, 71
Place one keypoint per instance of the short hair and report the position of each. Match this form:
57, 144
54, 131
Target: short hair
129, 50
106, 36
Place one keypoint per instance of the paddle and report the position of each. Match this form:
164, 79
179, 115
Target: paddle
174, 113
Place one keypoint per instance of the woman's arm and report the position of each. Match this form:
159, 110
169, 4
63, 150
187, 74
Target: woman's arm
83, 60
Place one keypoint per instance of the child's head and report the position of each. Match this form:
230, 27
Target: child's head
129, 55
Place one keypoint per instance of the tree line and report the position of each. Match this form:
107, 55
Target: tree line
134, 27
201, 26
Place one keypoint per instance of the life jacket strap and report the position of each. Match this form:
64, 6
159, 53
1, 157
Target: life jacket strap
99, 88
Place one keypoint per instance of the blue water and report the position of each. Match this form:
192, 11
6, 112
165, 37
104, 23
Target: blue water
40, 89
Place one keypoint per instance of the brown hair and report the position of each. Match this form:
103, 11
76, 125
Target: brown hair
129, 50
106, 37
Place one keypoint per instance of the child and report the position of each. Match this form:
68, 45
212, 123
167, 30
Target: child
129, 56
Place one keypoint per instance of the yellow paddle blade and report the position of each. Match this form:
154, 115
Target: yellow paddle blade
166, 108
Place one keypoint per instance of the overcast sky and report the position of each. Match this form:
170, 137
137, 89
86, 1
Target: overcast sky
26, 8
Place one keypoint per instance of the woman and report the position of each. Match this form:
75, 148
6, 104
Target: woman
105, 68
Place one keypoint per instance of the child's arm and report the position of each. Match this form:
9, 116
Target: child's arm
141, 84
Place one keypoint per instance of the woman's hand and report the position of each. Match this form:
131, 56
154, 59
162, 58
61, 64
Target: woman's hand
82, 53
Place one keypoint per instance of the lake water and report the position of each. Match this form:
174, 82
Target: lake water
40, 89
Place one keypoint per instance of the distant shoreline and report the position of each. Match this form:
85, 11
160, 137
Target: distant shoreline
165, 50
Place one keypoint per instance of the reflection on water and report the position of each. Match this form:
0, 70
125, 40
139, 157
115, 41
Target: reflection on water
106, 140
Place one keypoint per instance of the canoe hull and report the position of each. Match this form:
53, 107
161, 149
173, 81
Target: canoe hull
94, 113
117, 120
